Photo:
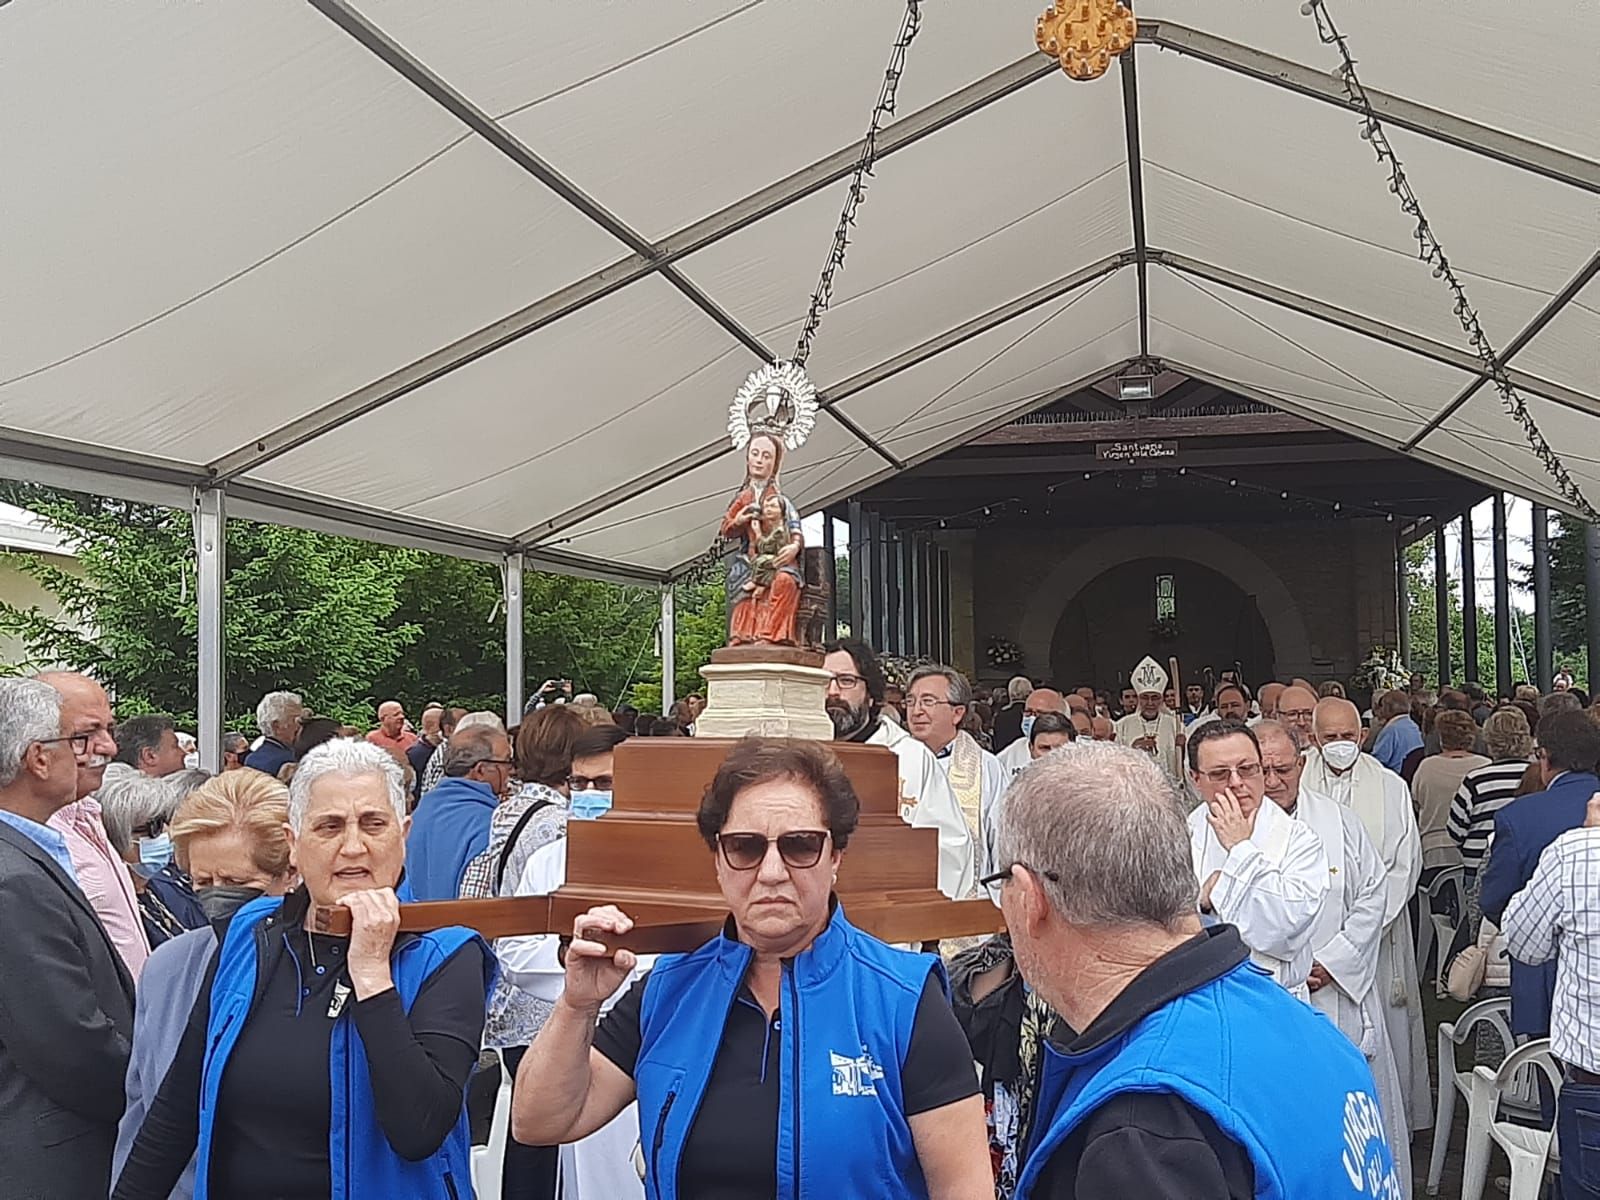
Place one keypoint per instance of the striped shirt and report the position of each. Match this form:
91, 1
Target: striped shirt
1483, 793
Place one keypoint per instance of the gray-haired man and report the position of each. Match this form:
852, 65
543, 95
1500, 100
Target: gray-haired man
66, 999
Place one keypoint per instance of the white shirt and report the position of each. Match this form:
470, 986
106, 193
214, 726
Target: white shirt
1271, 886
1557, 915
991, 790
926, 802
1014, 759
600, 1165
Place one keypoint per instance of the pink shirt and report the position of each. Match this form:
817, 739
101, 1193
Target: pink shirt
394, 745
104, 878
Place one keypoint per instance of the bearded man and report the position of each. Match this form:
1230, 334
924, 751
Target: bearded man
856, 688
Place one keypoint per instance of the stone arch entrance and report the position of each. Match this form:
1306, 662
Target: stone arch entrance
1204, 548
1106, 628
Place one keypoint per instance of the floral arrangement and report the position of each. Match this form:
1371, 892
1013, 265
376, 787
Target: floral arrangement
898, 669
1166, 629
1003, 655
1381, 671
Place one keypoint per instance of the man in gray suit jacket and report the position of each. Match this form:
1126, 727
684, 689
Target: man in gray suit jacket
66, 1000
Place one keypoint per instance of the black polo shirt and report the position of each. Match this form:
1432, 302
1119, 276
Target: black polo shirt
732, 1149
1153, 1145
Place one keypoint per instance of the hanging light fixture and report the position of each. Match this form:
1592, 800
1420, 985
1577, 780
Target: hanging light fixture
1085, 35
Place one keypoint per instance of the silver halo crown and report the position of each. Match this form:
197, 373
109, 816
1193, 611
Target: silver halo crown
777, 399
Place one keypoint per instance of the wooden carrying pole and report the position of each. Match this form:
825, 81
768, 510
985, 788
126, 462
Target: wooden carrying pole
646, 856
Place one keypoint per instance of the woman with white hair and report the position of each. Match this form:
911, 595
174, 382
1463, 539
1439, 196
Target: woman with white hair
315, 1065
137, 809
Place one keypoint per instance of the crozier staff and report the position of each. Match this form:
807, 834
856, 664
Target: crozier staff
315, 1065
791, 1050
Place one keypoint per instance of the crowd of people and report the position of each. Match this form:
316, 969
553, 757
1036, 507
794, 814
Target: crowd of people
1208, 986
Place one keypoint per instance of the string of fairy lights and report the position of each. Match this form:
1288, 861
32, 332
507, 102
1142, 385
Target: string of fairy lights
1429, 250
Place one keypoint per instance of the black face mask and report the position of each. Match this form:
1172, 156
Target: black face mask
220, 903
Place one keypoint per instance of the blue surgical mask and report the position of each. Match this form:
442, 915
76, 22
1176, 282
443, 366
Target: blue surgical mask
590, 805
1027, 724
154, 853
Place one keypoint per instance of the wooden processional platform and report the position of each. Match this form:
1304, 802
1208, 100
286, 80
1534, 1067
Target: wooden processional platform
646, 856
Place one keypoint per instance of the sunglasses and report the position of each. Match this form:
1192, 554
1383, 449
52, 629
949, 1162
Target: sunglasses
800, 848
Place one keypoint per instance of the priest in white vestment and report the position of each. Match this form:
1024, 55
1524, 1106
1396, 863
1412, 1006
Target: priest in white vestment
938, 699
1152, 726
1016, 757
1258, 869
1345, 938
1336, 767
855, 702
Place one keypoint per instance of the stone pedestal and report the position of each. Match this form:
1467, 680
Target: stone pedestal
770, 691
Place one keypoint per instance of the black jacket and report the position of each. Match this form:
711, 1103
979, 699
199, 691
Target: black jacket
66, 1019
1007, 726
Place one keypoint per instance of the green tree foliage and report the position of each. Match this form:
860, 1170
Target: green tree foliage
1569, 598
345, 623
1424, 627
302, 610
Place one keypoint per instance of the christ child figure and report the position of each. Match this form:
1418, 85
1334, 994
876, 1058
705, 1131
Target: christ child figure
769, 535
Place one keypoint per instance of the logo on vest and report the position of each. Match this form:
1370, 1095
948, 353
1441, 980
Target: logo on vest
1366, 1157
854, 1076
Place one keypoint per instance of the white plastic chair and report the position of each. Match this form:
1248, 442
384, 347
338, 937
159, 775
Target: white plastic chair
1531, 1151
1439, 928
1495, 1013
489, 1160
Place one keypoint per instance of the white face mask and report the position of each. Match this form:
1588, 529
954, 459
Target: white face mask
1341, 756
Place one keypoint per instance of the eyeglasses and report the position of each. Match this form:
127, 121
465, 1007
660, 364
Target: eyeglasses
78, 741
589, 783
998, 876
497, 762
927, 702
1295, 714
1271, 770
845, 682
1222, 774
799, 848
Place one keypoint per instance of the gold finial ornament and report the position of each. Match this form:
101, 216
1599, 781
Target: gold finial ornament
1084, 35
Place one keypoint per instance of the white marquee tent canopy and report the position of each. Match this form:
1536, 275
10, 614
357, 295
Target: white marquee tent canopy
484, 275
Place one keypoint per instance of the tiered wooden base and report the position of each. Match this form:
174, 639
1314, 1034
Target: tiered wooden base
647, 857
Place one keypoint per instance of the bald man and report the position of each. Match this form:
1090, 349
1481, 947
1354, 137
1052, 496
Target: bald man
391, 733
1295, 707
1040, 701
1336, 767
1101, 728
1083, 724
1077, 704
103, 876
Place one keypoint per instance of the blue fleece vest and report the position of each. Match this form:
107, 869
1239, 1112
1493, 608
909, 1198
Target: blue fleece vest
1301, 1103
847, 1009
362, 1164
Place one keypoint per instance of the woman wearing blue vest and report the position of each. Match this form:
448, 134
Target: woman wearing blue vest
320, 1066
791, 1056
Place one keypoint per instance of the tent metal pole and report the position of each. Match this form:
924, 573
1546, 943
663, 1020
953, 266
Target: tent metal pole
1441, 604
210, 519
669, 648
1543, 656
831, 573
1469, 600
1591, 585
1402, 588
1502, 600
515, 670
